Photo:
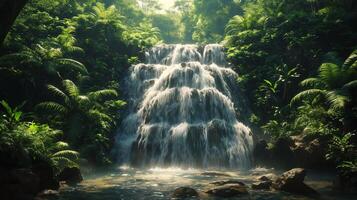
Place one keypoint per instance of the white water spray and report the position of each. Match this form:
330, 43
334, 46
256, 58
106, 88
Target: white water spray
183, 111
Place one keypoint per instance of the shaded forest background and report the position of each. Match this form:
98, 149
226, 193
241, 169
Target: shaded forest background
63, 62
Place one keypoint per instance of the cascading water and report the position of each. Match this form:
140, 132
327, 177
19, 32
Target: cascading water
184, 111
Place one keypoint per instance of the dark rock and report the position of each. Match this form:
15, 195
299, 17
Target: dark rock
46, 174
282, 154
228, 190
346, 183
72, 175
27, 180
293, 181
47, 194
214, 174
261, 153
310, 152
268, 177
18, 184
225, 182
263, 185
185, 192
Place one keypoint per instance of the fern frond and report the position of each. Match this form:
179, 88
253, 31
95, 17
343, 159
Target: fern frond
307, 94
336, 100
63, 162
96, 114
329, 73
350, 85
74, 64
59, 93
52, 107
120, 103
61, 145
351, 60
311, 82
101, 94
70, 154
71, 88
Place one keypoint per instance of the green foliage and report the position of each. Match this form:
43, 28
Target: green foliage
341, 148
12, 116
83, 116
36, 142
66, 58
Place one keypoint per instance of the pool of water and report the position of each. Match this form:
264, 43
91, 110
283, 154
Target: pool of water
126, 183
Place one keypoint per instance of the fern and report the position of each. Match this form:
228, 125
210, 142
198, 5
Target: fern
76, 65
306, 94
311, 82
71, 88
59, 93
70, 154
52, 107
101, 94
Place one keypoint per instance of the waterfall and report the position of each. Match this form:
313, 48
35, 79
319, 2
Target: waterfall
185, 111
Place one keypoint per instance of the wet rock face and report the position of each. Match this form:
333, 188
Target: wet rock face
292, 181
225, 182
346, 183
268, 177
228, 190
295, 151
263, 185
72, 175
185, 192
18, 184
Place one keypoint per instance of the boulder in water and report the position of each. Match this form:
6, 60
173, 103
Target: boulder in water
263, 185
225, 182
268, 177
228, 190
292, 181
184, 192
72, 175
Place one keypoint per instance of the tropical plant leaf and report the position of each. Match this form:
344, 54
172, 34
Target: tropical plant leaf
312, 82
102, 94
74, 64
306, 94
59, 93
52, 107
70, 154
71, 88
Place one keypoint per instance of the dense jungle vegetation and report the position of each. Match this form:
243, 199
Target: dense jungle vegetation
63, 61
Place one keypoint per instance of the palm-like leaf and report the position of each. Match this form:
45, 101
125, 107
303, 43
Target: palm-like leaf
312, 82
330, 74
71, 88
74, 64
307, 94
70, 154
337, 100
58, 93
350, 85
52, 107
96, 114
351, 61
101, 94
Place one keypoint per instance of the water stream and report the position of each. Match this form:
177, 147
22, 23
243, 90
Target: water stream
186, 111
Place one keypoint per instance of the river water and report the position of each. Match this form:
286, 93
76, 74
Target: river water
124, 183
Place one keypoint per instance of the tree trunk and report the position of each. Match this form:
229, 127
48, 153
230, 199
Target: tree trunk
9, 10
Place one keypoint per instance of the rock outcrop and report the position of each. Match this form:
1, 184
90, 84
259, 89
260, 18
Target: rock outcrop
228, 190
292, 181
71, 175
184, 192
